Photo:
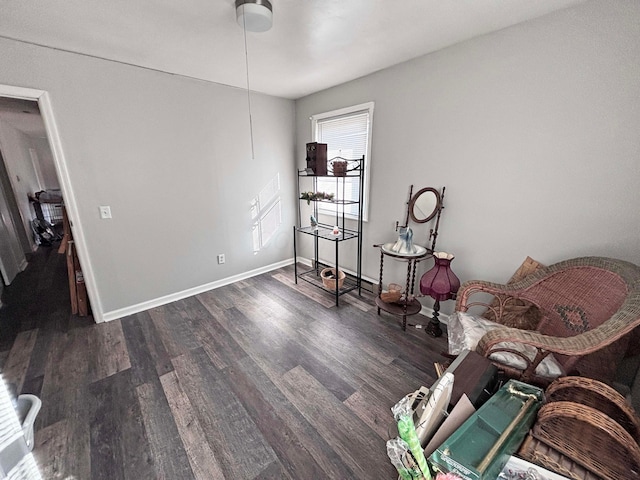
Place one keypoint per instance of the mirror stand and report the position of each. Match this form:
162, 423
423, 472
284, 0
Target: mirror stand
433, 232
422, 207
406, 218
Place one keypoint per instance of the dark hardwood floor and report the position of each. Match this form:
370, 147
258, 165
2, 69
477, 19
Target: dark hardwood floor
259, 379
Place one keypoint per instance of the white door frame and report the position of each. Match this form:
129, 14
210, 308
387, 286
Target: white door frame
42, 97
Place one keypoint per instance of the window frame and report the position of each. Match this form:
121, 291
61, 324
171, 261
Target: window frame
341, 112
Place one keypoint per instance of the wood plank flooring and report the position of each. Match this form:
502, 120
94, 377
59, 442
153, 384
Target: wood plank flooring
261, 379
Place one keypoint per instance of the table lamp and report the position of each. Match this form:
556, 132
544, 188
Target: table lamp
440, 283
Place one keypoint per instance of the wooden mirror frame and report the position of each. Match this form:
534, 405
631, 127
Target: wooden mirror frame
436, 209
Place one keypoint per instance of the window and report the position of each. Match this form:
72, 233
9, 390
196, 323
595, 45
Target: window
347, 133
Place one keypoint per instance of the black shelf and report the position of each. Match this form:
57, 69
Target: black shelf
303, 173
336, 202
324, 231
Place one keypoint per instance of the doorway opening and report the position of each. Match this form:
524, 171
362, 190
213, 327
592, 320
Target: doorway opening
33, 184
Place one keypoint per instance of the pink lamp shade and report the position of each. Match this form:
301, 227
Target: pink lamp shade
440, 283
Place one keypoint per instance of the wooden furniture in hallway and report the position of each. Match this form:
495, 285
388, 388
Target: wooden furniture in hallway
77, 287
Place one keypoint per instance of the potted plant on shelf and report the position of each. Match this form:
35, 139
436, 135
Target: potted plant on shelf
315, 196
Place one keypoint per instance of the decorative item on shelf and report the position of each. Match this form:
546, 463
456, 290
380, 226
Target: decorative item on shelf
404, 245
315, 196
393, 294
336, 230
314, 222
339, 167
328, 276
317, 158
440, 283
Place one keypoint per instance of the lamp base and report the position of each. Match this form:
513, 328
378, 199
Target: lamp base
433, 327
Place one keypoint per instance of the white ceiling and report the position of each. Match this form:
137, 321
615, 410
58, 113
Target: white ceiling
313, 45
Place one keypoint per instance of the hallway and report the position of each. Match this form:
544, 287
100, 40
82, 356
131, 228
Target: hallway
38, 298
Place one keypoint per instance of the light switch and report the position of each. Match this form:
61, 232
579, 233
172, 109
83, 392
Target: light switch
105, 212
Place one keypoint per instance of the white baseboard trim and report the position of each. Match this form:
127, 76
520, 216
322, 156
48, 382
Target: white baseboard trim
157, 302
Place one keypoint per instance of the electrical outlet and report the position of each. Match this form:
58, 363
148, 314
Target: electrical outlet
105, 211
221, 259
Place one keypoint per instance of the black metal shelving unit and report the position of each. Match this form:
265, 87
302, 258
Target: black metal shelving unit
324, 232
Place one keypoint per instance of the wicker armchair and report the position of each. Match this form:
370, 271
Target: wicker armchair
587, 306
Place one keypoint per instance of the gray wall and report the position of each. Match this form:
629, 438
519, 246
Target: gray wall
172, 158
534, 130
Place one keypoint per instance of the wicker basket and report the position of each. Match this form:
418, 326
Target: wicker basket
589, 438
328, 276
585, 431
595, 394
535, 451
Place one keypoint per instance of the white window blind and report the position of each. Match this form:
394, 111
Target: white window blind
16, 460
346, 133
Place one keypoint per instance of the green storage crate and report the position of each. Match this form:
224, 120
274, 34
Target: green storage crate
482, 445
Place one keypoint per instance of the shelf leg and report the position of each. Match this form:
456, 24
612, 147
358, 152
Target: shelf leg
408, 292
380, 280
337, 276
315, 254
295, 257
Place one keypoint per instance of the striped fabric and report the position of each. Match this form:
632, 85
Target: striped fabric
16, 462
9, 424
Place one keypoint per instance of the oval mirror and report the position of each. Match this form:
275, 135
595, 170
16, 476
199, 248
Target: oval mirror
424, 205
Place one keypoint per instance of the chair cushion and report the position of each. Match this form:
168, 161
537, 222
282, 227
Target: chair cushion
466, 330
